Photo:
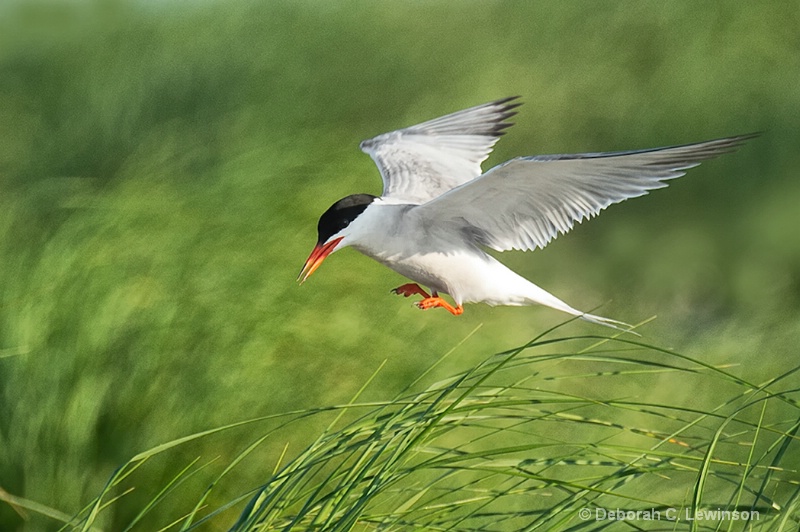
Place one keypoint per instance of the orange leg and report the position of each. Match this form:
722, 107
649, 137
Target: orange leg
410, 289
436, 301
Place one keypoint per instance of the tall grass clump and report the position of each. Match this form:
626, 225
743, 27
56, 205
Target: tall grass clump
499, 447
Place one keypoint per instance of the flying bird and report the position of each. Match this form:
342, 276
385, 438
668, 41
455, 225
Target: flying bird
439, 211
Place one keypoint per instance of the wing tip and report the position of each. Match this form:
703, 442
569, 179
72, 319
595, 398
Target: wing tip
713, 148
739, 140
503, 101
505, 110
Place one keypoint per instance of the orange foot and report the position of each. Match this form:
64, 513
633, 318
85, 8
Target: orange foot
410, 289
432, 302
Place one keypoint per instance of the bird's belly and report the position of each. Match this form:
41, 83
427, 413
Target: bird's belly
466, 277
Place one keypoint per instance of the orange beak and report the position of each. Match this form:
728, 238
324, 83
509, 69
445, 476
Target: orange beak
314, 260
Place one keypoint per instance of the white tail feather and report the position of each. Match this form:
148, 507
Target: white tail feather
608, 322
542, 297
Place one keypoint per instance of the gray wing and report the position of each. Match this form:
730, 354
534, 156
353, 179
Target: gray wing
526, 202
421, 162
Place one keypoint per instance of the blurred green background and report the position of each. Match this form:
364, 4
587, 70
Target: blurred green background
163, 165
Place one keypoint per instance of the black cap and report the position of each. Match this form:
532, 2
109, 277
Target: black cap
341, 213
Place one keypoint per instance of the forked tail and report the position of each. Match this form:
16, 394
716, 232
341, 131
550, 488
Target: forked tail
542, 297
608, 322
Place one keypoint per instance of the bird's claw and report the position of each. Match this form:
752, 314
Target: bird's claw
428, 301
410, 289
433, 302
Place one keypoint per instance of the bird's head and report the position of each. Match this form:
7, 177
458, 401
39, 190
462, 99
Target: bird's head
336, 230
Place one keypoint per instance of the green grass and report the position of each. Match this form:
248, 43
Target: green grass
498, 447
162, 166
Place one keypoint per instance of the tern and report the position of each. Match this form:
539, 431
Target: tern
439, 211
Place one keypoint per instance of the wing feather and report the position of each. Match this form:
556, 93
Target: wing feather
528, 201
421, 162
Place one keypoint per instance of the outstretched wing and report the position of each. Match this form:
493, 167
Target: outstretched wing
528, 201
421, 162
